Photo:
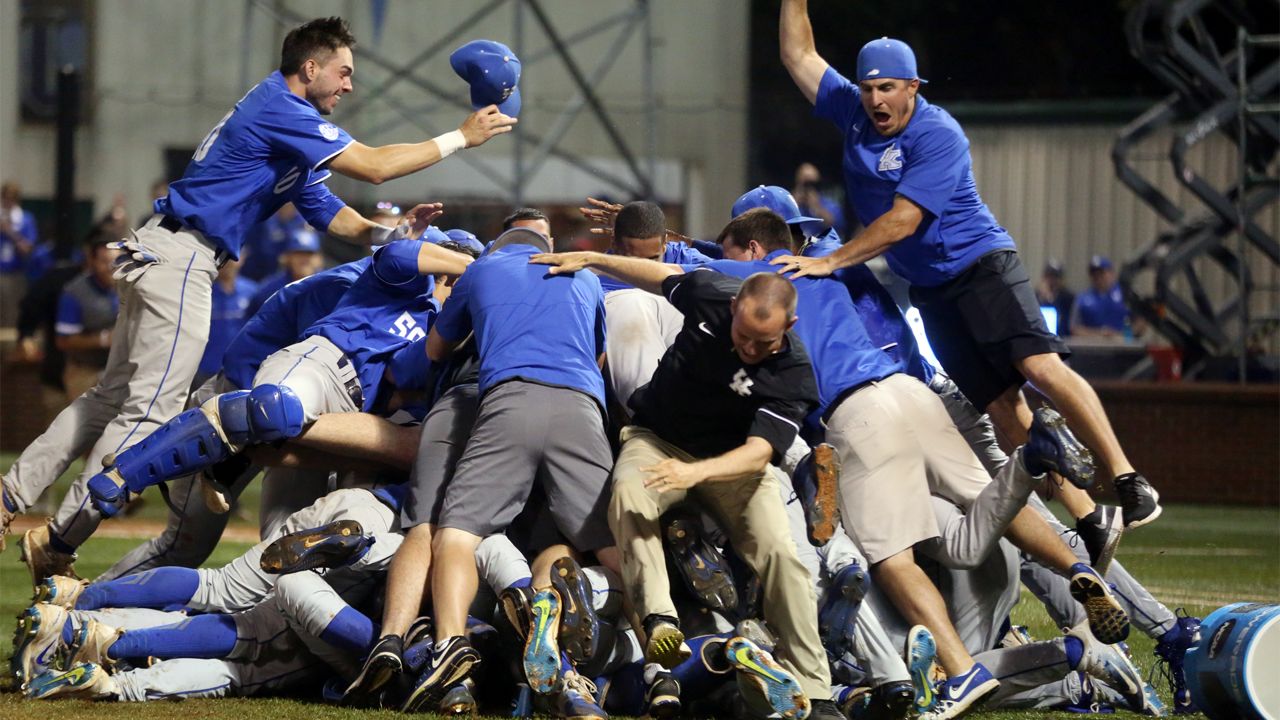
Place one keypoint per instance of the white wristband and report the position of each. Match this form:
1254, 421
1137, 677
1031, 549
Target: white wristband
450, 143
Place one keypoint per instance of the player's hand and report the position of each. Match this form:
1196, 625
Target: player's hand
803, 266
601, 214
563, 263
420, 216
672, 474
674, 236
484, 124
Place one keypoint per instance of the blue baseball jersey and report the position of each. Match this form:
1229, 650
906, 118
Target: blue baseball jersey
271, 148
822, 245
928, 163
229, 315
24, 224
265, 242
529, 324
831, 328
675, 253
390, 306
1101, 310
267, 287
284, 318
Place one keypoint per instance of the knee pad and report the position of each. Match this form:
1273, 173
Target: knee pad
185, 445
275, 413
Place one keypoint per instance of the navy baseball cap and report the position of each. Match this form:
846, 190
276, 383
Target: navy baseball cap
492, 71
1099, 262
781, 202
304, 240
465, 239
887, 58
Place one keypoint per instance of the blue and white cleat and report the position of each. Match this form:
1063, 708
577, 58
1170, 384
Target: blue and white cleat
838, 608
817, 478
1107, 665
922, 651
1107, 619
37, 641
541, 659
332, 545
1171, 653
579, 626
703, 567
959, 695
577, 700
85, 681
761, 678
1051, 447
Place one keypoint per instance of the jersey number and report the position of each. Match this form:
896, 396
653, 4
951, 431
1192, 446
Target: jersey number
211, 138
407, 327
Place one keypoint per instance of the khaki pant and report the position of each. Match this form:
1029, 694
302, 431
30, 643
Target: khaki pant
897, 446
752, 513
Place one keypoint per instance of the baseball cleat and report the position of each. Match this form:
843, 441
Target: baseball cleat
91, 644
579, 626
451, 663
817, 480
1017, 636
336, 544
665, 645
460, 701
517, 606
959, 695
37, 641
825, 710
541, 659
1107, 665
1139, 502
1108, 621
704, 569
1171, 653
59, 590
1101, 531
662, 698
383, 663
85, 681
760, 676
41, 559
1051, 447
922, 651
838, 610
576, 700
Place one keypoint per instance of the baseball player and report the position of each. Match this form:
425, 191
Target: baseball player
907, 170
274, 147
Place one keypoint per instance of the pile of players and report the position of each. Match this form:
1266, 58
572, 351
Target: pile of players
571, 428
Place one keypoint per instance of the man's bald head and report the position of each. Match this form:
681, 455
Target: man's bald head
763, 311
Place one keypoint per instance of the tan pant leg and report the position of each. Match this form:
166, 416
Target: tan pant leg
954, 471
634, 513
753, 514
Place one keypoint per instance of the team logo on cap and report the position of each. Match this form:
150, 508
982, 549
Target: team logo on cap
873, 73
891, 159
329, 131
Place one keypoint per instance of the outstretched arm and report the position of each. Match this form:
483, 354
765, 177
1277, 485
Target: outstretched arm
379, 164
899, 223
638, 272
799, 54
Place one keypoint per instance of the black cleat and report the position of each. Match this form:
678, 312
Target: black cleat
662, 699
1100, 531
450, 664
517, 606
339, 543
703, 568
579, 626
1138, 500
1051, 447
384, 662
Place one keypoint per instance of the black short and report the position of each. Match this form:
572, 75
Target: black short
982, 321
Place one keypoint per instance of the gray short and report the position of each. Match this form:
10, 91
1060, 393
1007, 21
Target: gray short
444, 436
526, 432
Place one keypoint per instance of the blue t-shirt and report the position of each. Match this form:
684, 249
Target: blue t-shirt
71, 317
528, 323
822, 245
265, 242
675, 253
831, 328
1101, 310
24, 224
928, 163
389, 307
230, 313
284, 318
270, 149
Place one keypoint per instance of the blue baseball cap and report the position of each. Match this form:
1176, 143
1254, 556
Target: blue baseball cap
433, 235
492, 71
887, 58
465, 239
1099, 262
304, 240
780, 201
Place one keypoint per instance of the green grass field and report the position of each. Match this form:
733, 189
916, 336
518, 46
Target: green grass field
1197, 558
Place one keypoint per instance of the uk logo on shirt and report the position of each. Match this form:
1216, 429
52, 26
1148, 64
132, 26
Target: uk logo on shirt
329, 131
891, 159
741, 383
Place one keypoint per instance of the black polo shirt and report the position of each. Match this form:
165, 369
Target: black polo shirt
703, 398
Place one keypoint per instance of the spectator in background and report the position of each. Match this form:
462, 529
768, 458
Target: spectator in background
231, 297
1100, 310
301, 258
87, 312
18, 238
266, 241
1052, 292
813, 203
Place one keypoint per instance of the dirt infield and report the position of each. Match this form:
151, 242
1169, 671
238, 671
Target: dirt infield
138, 529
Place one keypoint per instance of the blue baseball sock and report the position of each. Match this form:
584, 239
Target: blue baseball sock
68, 632
350, 630
59, 544
1075, 651
522, 583
158, 588
626, 691
203, 636
9, 504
